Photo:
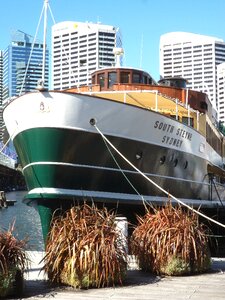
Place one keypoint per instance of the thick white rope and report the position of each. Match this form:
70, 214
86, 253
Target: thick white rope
125, 176
155, 184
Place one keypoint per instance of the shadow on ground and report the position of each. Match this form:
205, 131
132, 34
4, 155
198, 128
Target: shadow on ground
43, 289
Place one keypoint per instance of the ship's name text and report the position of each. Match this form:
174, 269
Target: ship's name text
170, 129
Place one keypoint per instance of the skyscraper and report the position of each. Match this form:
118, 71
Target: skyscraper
221, 92
79, 49
22, 65
1, 82
194, 57
1, 75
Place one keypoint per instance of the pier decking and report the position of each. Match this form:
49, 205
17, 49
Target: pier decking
139, 285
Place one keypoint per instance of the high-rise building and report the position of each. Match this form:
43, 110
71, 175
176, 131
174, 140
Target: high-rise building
78, 49
22, 65
221, 92
1, 81
1, 75
194, 57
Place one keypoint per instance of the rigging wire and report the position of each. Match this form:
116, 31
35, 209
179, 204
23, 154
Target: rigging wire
155, 184
32, 48
53, 19
31, 51
64, 51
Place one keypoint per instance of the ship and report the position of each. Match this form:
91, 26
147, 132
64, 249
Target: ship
165, 130
94, 143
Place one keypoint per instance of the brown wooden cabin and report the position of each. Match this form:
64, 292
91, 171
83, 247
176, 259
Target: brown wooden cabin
129, 79
122, 79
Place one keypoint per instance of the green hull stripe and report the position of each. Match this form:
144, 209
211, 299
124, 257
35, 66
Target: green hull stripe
41, 144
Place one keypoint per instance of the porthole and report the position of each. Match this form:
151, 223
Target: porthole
186, 164
93, 121
138, 155
175, 162
162, 160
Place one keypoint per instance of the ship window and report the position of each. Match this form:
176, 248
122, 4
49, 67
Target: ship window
185, 121
111, 79
145, 80
101, 80
124, 77
203, 105
136, 78
175, 117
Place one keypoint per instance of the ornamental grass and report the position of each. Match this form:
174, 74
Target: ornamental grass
13, 261
171, 241
85, 249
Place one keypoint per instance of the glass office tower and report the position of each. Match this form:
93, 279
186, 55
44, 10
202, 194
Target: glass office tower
22, 66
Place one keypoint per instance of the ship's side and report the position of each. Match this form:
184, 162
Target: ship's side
63, 156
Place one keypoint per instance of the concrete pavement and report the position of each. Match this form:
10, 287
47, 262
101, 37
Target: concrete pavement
138, 286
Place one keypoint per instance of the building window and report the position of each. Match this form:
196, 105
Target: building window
83, 62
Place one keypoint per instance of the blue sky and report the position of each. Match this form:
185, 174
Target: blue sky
141, 22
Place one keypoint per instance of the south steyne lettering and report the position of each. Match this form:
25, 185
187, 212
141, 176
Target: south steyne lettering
179, 134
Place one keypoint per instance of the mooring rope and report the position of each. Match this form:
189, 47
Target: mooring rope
125, 176
155, 184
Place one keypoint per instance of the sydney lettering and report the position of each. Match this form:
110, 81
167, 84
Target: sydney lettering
179, 134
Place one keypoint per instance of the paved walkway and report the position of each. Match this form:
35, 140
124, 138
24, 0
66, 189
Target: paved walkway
138, 286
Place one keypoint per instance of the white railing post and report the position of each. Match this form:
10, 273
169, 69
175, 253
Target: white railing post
189, 115
124, 97
197, 120
156, 101
176, 109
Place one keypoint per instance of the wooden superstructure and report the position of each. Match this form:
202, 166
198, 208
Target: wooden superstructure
169, 96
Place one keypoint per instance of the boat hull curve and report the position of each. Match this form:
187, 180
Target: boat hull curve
81, 164
65, 159
60, 150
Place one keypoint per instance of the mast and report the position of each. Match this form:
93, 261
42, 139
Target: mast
44, 40
41, 82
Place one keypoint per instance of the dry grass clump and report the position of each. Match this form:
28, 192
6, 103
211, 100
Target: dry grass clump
84, 249
171, 241
13, 261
